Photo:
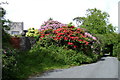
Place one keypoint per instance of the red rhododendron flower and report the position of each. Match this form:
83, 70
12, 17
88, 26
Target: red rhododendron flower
59, 29
41, 36
55, 38
69, 43
78, 29
77, 32
60, 37
76, 37
86, 43
40, 32
72, 37
82, 35
65, 38
72, 27
60, 34
65, 31
80, 40
75, 46
47, 34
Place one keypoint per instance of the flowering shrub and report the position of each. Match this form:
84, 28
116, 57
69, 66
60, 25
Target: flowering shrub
51, 24
73, 38
89, 35
9, 63
32, 33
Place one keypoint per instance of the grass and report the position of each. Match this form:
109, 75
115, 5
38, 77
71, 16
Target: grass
30, 66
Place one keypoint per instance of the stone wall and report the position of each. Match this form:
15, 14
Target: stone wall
23, 43
26, 43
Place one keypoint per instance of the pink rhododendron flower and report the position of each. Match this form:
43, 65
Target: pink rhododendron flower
94, 38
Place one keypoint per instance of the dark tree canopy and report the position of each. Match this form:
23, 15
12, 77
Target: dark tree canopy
4, 26
4, 21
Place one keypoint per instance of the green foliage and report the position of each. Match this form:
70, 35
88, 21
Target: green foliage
116, 48
106, 39
5, 36
40, 59
3, 20
9, 64
62, 54
116, 51
95, 21
9, 60
109, 39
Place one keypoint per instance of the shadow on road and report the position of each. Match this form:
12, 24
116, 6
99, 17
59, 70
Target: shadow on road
102, 59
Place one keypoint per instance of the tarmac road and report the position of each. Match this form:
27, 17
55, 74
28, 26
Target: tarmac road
107, 67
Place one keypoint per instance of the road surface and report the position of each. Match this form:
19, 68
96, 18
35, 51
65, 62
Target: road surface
107, 67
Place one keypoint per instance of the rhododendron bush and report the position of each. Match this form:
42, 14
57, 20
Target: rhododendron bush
51, 24
70, 36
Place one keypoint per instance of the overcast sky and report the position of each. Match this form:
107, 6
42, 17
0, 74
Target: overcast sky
34, 12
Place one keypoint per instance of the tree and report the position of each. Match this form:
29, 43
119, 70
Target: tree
95, 21
4, 21
4, 26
